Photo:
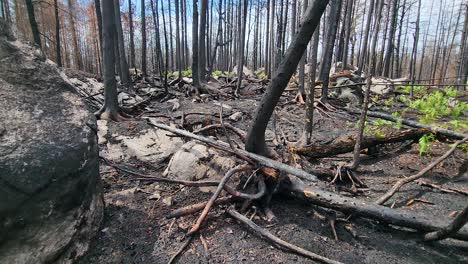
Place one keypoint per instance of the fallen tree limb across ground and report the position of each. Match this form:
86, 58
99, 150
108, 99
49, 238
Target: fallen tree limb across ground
328, 199
346, 145
411, 123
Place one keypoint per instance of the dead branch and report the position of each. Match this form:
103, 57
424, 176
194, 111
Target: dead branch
420, 174
345, 145
213, 198
452, 228
239, 152
193, 208
371, 211
275, 240
238, 132
411, 123
440, 188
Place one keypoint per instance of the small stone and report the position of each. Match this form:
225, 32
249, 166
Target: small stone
168, 201
236, 116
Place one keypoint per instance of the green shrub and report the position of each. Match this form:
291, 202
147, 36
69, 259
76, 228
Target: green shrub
424, 143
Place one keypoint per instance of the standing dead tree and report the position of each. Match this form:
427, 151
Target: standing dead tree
256, 136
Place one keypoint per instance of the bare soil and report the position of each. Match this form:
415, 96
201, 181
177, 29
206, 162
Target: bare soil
135, 229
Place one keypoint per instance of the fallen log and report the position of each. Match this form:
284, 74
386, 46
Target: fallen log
240, 152
345, 145
329, 199
411, 123
361, 208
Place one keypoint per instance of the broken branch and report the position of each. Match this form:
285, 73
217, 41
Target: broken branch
420, 174
277, 241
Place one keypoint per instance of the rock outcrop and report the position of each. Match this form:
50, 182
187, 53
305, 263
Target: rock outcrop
50, 193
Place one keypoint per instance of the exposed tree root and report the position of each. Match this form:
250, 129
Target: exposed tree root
277, 241
345, 145
420, 174
193, 208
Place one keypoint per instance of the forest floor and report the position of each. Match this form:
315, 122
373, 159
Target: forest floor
135, 229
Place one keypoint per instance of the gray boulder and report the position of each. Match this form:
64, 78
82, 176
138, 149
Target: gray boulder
50, 193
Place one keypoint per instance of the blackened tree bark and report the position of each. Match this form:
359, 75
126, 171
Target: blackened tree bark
202, 41
240, 59
155, 13
348, 31
364, 46
124, 71
195, 72
256, 136
415, 50
33, 23
76, 48
390, 40
143, 39
97, 6
463, 60
333, 20
178, 49
301, 88
110, 109
309, 118
58, 53
132, 35
378, 17
166, 46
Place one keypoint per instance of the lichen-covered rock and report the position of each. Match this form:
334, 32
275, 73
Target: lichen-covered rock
50, 194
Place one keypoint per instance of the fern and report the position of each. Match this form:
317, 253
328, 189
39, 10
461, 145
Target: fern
424, 143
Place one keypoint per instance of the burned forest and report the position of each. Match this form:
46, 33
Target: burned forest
233, 131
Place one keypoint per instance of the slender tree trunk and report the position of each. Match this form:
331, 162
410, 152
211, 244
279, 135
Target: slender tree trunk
178, 49
463, 59
240, 60
372, 55
143, 39
155, 12
333, 20
306, 138
449, 53
132, 34
202, 42
267, 40
390, 40
364, 49
33, 23
256, 136
195, 72
76, 49
125, 74
415, 50
58, 54
348, 32
301, 88
110, 110
166, 46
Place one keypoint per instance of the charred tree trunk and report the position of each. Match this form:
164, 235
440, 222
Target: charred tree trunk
124, 71
110, 109
202, 41
415, 50
178, 48
143, 39
256, 136
58, 53
301, 89
132, 41
195, 72
390, 40
76, 48
333, 20
33, 23
240, 61
364, 47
